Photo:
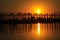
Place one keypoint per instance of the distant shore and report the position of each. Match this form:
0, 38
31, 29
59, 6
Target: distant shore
28, 18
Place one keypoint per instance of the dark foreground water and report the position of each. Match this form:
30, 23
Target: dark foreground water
37, 31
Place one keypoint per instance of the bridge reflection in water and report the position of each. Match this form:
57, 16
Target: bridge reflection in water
36, 31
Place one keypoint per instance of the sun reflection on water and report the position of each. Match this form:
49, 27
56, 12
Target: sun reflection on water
38, 29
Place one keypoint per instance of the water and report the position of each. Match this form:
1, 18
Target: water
36, 31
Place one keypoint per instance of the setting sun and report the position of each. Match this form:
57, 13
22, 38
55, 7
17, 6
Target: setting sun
38, 11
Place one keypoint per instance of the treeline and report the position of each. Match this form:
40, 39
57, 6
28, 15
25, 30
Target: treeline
21, 16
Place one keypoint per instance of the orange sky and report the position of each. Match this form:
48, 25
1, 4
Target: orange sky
25, 6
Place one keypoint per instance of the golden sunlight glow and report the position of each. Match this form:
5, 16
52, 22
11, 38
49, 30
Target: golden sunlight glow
38, 11
38, 28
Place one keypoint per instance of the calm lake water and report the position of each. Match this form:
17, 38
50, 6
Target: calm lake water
36, 31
